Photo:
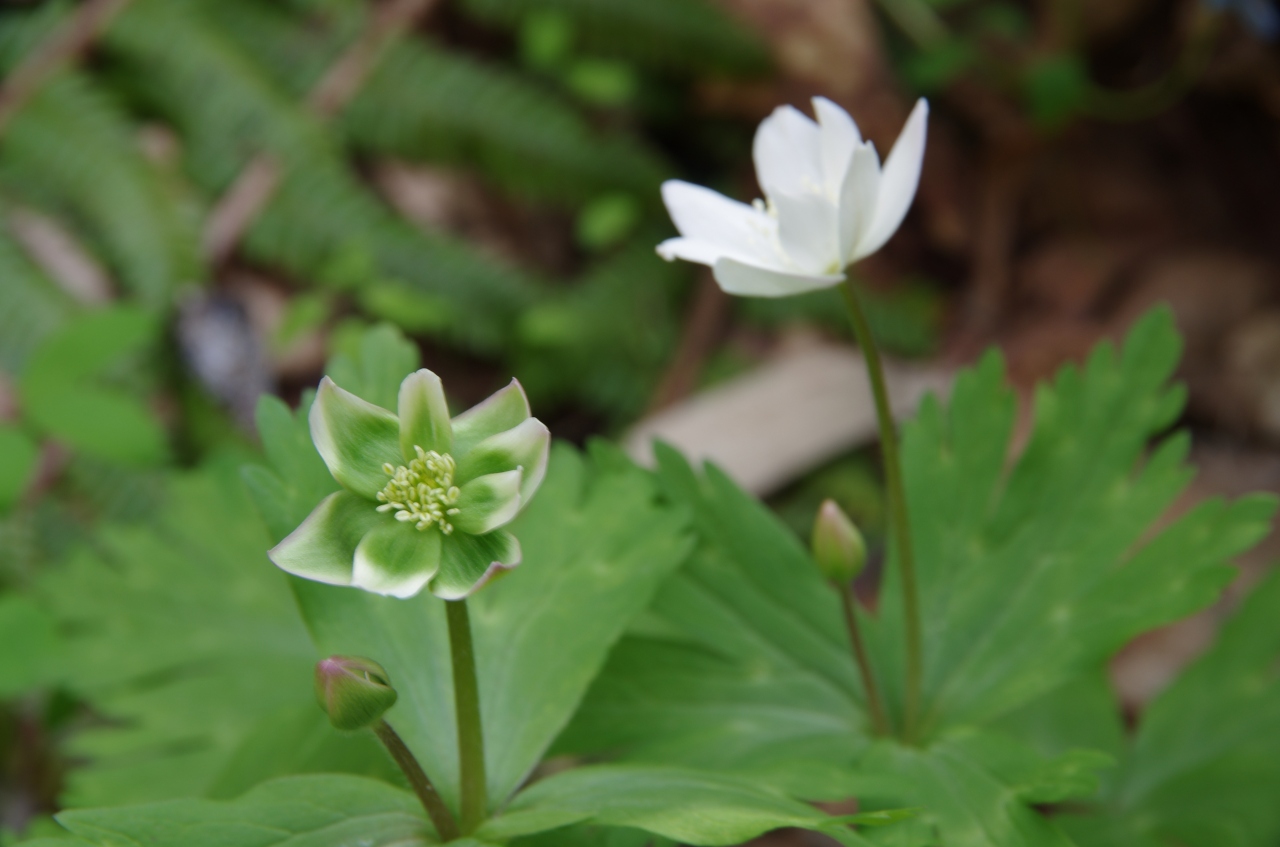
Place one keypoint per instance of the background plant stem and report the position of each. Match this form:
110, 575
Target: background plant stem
441, 817
466, 698
879, 718
898, 516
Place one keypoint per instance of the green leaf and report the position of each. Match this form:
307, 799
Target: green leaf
375, 366
1204, 765
187, 641
596, 547
593, 836
59, 396
684, 35
18, 454
301, 479
103, 423
319, 811
743, 663
962, 798
687, 806
1055, 88
30, 649
1012, 561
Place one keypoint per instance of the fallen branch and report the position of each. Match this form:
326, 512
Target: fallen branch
253, 189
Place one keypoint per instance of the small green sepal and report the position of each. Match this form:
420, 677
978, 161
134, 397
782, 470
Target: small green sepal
354, 692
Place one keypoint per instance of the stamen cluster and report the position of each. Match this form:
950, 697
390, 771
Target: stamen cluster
423, 491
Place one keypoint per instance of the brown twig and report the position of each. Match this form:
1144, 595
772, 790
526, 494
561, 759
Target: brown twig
253, 189
698, 339
67, 44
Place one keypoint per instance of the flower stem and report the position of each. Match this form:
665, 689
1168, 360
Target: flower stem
441, 817
466, 699
879, 718
897, 509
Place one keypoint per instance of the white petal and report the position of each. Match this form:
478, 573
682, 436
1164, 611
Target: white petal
754, 281
899, 181
840, 137
788, 153
703, 215
858, 197
807, 230
691, 250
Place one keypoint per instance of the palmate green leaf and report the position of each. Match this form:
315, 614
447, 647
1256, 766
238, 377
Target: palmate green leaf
187, 642
1031, 575
593, 836
1203, 768
688, 806
316, 811
336, 811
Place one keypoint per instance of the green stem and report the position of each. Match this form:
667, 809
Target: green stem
897, 509
441, 817
466, 699
879, 718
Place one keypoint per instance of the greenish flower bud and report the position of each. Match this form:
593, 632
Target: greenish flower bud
355, 692
838, 547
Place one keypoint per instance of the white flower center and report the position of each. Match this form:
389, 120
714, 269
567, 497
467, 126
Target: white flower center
422, 491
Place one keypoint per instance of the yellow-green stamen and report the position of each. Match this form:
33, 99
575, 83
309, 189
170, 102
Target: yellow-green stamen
422, 491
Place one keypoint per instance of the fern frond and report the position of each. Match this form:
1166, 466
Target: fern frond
427, 102
229, 108
71, 150
31, 307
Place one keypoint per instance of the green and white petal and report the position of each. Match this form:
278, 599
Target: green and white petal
526, 447
323, 546
467, 562
424, 415
396, 559
503, 410
355, 438
488, 502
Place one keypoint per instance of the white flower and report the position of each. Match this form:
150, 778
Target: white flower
829, 204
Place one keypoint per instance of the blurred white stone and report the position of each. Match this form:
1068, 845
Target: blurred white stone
769, 427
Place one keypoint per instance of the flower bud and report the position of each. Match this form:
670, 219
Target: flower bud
838, 547
354, 692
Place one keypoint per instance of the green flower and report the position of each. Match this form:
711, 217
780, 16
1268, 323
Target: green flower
424, 497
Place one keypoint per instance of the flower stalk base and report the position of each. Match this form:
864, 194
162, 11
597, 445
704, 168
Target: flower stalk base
901, 526
875, 704
441, 817
466, 698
